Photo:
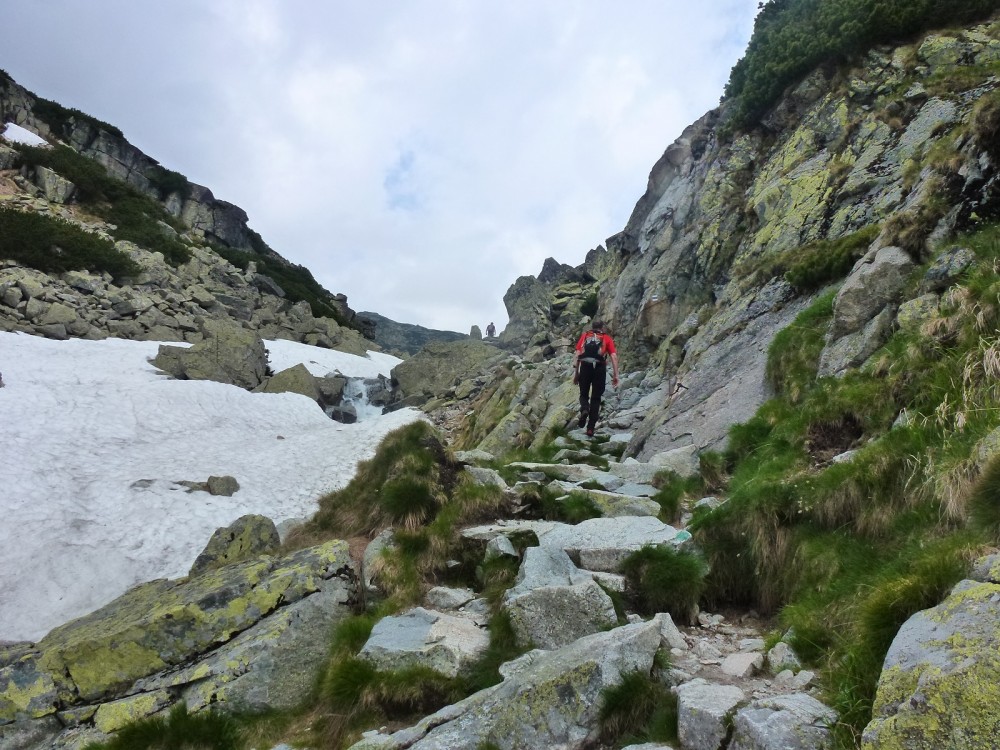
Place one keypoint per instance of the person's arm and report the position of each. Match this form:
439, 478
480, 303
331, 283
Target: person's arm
614, 369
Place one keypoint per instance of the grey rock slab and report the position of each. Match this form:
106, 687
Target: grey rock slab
573, 473
552, 603
742, 665
602, 544
500, 546
551, 702
791, 722
614, 504
782, 657
703, 710
446, 644
444, 598
486, 477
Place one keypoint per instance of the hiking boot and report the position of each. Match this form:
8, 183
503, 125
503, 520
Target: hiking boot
590, 432
582, 421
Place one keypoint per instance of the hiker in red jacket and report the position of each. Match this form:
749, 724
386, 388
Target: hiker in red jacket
590, 371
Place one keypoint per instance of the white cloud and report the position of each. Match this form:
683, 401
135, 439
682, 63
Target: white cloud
416, 156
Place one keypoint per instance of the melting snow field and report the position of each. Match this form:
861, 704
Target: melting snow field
95, 440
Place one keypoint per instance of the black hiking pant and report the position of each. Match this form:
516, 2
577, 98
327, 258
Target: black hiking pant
593, 381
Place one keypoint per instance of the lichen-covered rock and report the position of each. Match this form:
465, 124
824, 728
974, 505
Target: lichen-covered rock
440, 366
230, 355
164, 623
551, 701
295, 379
703, 712
939, 685
247, 536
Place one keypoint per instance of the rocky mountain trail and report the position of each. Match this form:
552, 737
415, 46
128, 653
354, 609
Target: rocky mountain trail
718, 664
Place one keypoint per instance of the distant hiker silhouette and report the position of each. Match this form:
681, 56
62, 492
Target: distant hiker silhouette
590, 371
491, 330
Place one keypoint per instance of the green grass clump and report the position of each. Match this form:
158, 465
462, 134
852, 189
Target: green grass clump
55, 246
672, 490
984, 501
639, 709
205, 730
666, 579
793, 356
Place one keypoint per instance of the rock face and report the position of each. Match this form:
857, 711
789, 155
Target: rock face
938, 686
244, 636
402, 339
439, 367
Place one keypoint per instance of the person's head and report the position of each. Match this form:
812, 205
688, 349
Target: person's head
597, 326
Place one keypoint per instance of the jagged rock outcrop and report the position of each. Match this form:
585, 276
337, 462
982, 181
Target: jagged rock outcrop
165, 302
693, 288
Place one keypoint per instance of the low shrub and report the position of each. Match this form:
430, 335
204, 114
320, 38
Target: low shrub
666, 579
137, 217
55, 246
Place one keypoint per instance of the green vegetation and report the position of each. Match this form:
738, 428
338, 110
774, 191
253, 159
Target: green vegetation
413, 485
137, 217
666, 579
792, 37
673, 490
589, 306
206, 730
296, 282
168, 182
814, 264
55, 246
60, 119
844, 552
638, 710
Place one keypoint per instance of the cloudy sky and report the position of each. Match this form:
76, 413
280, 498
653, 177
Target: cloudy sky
416, 156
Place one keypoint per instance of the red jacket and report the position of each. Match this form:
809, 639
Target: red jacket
608, 343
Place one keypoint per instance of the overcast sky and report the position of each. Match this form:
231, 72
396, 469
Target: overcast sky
416, 156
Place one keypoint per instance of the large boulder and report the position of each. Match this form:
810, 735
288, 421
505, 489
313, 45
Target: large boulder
118, 650
296, 379
547, 700
440, 366
446, 644
553, 603
791, 722
229, 354
939, 684
247, 536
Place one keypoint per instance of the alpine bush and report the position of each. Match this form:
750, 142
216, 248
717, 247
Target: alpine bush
792, 37
54, 246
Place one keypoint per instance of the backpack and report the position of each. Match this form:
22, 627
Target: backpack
593, 347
